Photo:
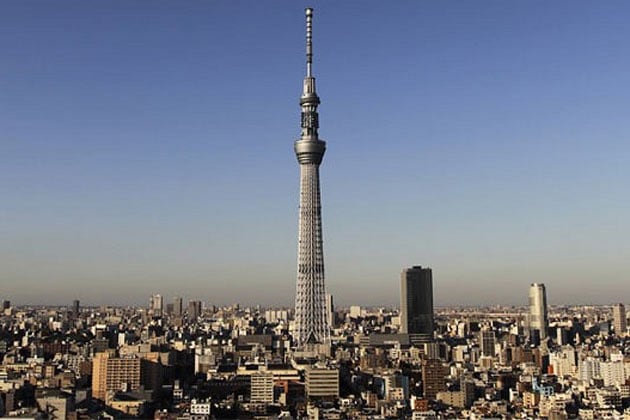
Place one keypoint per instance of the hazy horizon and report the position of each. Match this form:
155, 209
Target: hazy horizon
148, 148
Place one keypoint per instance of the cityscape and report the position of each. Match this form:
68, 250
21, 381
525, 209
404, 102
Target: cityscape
183, 356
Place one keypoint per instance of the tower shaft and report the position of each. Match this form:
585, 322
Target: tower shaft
311, 321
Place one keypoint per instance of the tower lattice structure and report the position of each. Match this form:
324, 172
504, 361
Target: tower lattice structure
311, 321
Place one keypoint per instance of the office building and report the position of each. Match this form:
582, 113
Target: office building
538, 320
178, 309
322, 382
76, 308
433, 377
330, 310
156, 305
311, 319
261, 387
416, 302
486, 342
194, 309
619, 319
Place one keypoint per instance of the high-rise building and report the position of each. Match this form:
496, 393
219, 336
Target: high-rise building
178, 309
194, 309
433, 377
156, 305
76, 308
619, 319
124, 373
110, 373
6, 304
416, 302
330, 310
311, 320
538, 321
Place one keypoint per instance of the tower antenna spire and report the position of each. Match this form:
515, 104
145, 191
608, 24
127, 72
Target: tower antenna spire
309, 41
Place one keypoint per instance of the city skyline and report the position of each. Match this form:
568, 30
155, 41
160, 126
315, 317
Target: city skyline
484, 142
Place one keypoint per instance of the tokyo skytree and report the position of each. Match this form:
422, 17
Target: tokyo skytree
311, 321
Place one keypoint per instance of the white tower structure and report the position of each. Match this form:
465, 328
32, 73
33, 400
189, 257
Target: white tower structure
538, 320
311, 318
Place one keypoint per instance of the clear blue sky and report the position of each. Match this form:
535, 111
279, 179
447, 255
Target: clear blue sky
148, 147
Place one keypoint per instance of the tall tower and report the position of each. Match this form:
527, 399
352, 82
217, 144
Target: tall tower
538, 320
311, 320
416, 303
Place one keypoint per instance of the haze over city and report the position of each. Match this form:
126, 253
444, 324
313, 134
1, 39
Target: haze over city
149, 149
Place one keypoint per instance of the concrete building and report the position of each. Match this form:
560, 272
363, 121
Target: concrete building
111, 373
55, 403
322, 382
262, 387
416, 302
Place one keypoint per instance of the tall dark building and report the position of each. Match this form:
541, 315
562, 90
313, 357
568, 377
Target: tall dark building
416, 302
76, 308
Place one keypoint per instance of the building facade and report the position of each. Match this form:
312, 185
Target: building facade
416, 302
619, 319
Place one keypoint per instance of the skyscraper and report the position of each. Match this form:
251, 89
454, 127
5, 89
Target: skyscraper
311, 320
178, 310
538, 321
619, 319
76, 308
416, 302
156, 304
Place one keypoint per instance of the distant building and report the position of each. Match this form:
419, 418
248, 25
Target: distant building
433, 378
156, 305
416, 302
55, 403
111, 374
486, 342
619, 319
322, 382
330, 310
262, 387
178, 309
194, 309
538, 320
76, 308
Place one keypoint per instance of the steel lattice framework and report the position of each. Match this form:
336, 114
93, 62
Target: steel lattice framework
311, 322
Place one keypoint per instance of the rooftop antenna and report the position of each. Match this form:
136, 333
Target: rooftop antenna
309, 41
